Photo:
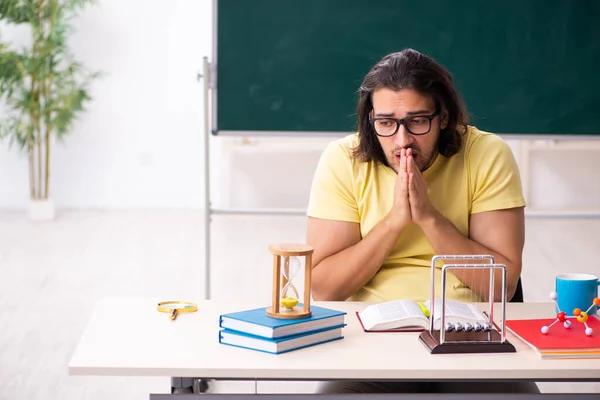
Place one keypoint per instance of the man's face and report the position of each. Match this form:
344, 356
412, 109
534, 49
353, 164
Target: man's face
401, 104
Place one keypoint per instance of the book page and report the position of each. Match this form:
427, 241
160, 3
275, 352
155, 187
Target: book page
393, 314
398, 309
457, 311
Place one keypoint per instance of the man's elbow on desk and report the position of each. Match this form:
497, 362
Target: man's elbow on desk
512, 278
323, 288
320, 293
317, 296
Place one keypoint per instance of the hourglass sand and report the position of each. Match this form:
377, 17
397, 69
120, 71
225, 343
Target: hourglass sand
286, 266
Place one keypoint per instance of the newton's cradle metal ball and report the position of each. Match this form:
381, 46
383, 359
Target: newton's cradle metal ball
468, 327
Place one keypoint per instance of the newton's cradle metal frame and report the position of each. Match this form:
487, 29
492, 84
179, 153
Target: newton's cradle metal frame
484, 337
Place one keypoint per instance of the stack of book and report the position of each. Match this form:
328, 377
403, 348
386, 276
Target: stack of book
559, 342
253, 329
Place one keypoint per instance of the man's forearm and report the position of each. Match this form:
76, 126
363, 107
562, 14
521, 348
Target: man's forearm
339, 276
446, 239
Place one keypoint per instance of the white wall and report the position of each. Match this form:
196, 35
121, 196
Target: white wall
558, 176
140, 143
563, 175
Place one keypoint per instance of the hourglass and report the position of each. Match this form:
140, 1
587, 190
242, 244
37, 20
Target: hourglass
286, 267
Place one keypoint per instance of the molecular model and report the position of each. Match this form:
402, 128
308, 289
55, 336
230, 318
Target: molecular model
581, 316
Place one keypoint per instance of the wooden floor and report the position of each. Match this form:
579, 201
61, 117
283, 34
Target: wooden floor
53, 273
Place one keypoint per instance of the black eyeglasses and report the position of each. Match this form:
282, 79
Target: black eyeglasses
416, 125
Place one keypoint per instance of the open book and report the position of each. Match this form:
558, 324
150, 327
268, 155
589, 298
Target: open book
408, 315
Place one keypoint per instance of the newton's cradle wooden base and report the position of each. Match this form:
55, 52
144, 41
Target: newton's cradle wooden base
465, 342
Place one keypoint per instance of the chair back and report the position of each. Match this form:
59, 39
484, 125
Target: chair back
518, 296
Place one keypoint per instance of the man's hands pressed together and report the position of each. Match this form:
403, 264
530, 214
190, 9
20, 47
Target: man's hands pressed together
400, 214
420, 207
411, 199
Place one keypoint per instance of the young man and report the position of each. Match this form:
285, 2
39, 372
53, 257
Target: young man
415, 181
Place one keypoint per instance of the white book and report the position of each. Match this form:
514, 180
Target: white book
409, 315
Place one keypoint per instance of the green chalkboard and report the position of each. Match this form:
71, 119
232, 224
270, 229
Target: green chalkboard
523, 66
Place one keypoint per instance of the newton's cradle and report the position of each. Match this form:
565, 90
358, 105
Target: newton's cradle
479, 337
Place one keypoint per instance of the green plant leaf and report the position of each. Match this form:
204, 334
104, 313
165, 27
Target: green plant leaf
12, 72
17, 11
43, 88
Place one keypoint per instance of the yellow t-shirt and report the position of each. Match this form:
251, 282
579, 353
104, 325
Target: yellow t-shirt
482, 176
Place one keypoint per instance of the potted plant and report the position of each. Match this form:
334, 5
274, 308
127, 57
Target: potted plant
42, 88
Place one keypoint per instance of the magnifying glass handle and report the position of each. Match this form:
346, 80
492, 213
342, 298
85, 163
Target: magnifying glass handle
173, 314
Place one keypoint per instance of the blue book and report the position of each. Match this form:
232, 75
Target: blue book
280, 345
256, 322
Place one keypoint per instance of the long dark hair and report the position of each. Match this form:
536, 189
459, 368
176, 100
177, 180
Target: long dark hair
409, 69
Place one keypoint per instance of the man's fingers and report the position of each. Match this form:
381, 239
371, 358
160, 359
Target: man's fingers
413, 163
411, 189
402, 160
404, 184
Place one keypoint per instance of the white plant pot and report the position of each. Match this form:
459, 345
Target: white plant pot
41, 210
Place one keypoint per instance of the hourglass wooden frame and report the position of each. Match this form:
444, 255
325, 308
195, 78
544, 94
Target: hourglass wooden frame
280, 251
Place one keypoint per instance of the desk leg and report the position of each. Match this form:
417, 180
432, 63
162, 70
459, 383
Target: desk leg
188, 385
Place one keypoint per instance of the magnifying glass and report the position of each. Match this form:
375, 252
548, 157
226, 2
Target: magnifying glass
176, 307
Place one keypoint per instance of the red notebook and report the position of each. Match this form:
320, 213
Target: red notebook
558, 337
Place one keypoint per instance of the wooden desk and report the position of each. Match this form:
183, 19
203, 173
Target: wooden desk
130, 338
